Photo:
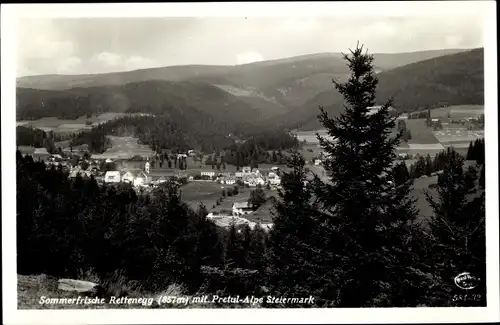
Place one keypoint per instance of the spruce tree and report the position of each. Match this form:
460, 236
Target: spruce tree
457, 232
369, 225
294, 262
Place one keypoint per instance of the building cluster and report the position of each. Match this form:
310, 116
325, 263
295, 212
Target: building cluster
251, 177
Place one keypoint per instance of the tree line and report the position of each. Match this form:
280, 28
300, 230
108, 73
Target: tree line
427, 166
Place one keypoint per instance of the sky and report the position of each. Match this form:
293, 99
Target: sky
100, 45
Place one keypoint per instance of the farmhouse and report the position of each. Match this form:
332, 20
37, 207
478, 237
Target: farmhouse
26, 150
272, 175
41, 154
208, 173
135, 177
76, 171
228, 180
274, 181
241, 208
112, 177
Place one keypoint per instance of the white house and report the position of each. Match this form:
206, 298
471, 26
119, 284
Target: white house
228, 180
241, 208
56, 157
161, 179
272, 175
275, 169
238, 175
255, 171
317, 162
112, 177
141, 179
274, 181
246, 170
209, 174
135, 177
259, 181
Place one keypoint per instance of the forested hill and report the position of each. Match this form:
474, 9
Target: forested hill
158, 97
447, 80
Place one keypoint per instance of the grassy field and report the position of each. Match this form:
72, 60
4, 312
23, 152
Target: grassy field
420, 133
71, 126
458, 135
208, 192
458, 111
123, 148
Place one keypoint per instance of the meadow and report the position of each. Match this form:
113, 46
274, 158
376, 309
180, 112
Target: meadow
60, 126
123, 148
457, 111
420, 133
208, 192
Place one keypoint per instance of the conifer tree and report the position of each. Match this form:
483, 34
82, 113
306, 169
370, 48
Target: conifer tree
234, 256
369, 225
457, 232
428, 165
401, 174
293, 269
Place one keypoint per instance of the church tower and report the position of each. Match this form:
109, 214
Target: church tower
147, 166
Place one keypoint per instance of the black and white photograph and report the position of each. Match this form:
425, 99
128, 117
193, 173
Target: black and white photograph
271, 161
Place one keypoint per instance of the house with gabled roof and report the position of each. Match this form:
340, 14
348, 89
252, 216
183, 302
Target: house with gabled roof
135, 177
112, 176
242, 208
41, 154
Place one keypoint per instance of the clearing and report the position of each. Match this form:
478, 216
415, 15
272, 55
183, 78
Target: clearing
71, 126
208, 192
124, 148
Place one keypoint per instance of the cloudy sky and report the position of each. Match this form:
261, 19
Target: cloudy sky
90, 45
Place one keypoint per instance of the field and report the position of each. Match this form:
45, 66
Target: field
458, 111
458, 135
310, 136
420, 133
208, 192
71, 126
123, 148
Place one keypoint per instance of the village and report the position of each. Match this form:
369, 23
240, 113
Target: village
143, 178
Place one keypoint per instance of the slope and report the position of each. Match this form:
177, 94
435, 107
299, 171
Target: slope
270, 86
158, 97
448, 80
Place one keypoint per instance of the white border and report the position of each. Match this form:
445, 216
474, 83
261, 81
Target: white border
11, 14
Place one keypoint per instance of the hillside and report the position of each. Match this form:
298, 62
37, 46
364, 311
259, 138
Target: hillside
158, 97
272, 87
448, 80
